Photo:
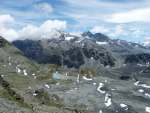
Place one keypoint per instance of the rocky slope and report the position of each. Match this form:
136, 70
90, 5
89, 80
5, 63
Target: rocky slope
63, 52
75, 51
101, 80
22, 84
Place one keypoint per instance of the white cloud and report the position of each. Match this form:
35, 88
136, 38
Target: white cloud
146, 41
44, 7
54, 24
29, 31
136, 15
99, 29
118, 31
5, 30
6, 20
48, 29
8, 33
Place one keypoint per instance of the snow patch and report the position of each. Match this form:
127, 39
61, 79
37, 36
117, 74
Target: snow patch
25, 72
29, 87
136, 83
33, 74
2, 75
4, 65
141, 90
69, 38
108, 101
78, 78
147, 109
9, 64
124, 106
141, 65
100, 111
88, 79
99, 88
18, 70
47, 86
141, 85
34, 94
147, 94
92, 58
57, 84
101, 43
35, 77
113, 89
94, 83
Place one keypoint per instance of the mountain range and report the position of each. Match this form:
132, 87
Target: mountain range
86, 73
75, 51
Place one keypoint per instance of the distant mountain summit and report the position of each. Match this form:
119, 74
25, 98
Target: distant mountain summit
77, 50
62, 74
12, 57
97, 36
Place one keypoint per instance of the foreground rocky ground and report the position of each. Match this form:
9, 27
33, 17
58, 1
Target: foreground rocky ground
28, 87
124, 90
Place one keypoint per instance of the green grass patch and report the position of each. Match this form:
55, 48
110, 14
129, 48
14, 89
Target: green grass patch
89, 72
50, 100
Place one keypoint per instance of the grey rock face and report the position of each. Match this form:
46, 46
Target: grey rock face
142, 58
67, 53
96, 37
94, 85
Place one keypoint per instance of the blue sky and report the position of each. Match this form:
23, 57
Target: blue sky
124, 19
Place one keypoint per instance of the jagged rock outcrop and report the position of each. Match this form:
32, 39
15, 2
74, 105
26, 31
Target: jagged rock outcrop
70, 54
40, 88
96, 37
73, 51
142, 58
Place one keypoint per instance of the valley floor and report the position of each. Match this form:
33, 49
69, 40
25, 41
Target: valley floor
120, 90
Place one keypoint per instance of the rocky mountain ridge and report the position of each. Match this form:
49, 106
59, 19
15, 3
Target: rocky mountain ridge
75, 51
95, 76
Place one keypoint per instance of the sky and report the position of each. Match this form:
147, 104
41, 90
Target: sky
124, 19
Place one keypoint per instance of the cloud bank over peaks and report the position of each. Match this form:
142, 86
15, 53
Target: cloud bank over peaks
5, 27
135, 15
44, 7
48, 29
100, 29
5, 20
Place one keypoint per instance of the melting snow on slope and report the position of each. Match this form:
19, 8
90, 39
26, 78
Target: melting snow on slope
101, 43
69, 38
29, 87
9, 64
142, 85
147, 109
124, 106
108, 101
2, 75
88, 79
47, 86
34, 94
141, 90
136, 83
25, 72
18, 70
78, 78
9, 60
99, 88
147, 95
33, 74
100, 111
141, 65
94, 83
